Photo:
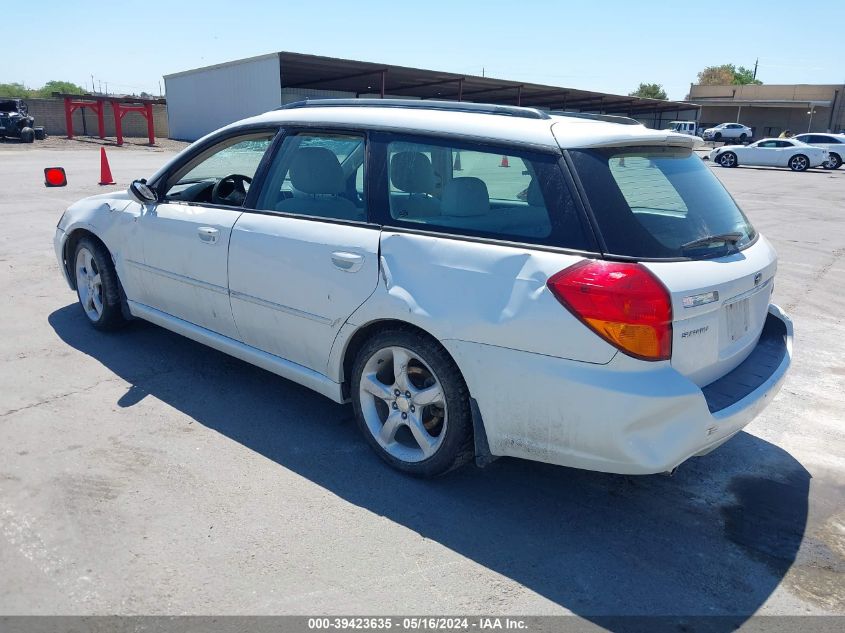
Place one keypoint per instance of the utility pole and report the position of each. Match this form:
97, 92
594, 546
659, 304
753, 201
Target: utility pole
93, 88
755, 67
100, 82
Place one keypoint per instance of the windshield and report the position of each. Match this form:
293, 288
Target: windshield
660, 202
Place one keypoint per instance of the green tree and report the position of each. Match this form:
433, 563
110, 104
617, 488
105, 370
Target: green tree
649, 91
14, 90
743, 75
726, 74
50, 87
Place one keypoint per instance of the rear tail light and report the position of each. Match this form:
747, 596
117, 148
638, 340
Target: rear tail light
623, 303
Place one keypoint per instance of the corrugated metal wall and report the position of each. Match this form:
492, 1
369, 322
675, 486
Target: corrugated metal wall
200, 101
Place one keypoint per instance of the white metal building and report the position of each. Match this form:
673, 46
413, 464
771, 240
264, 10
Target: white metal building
204, 99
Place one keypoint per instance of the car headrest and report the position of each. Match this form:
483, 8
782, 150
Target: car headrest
316, 170
412, 172
535, 195
465, 197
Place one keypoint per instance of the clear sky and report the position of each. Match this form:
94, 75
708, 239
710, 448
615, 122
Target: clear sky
607, 45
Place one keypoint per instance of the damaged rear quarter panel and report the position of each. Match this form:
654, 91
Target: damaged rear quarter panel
479, 292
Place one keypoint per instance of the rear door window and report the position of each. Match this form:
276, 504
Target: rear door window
482, 191
659, 202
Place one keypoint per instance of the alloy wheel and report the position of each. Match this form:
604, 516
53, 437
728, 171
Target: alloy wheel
89, 284
403, 404
798, 163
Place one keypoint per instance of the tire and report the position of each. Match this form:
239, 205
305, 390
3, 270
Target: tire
430, 374
743, 137
97, 286
40, 134
728, 159
834, 162
27, 135
799, 162
717, 137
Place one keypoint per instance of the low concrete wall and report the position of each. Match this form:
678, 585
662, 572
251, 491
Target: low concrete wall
50, 114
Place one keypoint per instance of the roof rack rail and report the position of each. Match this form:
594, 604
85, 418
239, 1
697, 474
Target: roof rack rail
607, 118
422, 104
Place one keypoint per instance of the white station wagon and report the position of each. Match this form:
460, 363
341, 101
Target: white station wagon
477, 280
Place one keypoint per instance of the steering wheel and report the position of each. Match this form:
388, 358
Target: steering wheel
230, 190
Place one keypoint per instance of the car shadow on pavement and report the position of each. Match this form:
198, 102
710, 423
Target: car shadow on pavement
714, 539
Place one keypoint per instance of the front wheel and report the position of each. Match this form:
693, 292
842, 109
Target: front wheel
96, 285
799, 162
27, 135
412, 403
728, 159
833, 162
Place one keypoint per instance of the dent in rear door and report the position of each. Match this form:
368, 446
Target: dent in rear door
480, 292
294, 282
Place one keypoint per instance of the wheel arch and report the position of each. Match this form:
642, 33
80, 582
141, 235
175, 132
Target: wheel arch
362, 333
73, 236
69, 246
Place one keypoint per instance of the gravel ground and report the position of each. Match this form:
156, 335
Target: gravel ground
60, 143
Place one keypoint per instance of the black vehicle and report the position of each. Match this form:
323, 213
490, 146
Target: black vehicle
15, 121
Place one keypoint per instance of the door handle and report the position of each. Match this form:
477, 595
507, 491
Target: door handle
347, 262
208, 234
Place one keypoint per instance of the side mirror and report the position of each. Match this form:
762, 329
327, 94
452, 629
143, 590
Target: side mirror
141, 193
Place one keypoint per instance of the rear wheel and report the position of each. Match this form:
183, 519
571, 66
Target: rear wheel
833, 162
96, 285
743, 137
728, 159
799, 162
412, 404
40, 134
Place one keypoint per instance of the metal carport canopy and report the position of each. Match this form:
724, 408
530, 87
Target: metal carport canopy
328, 73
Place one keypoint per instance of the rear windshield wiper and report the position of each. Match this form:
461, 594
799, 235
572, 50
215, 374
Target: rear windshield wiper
724, 238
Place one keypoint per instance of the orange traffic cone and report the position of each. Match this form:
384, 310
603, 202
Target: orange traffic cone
504, 162
105, 171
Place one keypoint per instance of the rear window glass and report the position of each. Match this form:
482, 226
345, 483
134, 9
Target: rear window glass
660, 203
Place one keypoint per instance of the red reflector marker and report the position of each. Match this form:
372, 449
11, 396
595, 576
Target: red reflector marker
55, 177
623, 303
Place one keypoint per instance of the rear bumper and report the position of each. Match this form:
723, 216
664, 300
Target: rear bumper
627, 416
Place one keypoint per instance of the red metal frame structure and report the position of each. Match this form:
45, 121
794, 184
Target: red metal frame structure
72, 105
120, 107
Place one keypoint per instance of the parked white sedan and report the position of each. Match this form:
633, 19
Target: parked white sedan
728, 132
771, 152
833, 143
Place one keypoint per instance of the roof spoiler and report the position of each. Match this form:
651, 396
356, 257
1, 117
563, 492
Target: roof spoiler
607, 118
